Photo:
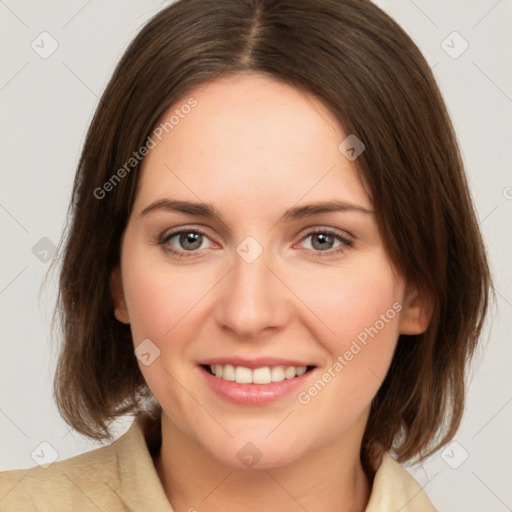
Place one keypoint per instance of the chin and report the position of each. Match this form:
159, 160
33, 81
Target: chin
256, 454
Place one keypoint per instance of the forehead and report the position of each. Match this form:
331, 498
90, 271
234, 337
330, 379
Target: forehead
253, 141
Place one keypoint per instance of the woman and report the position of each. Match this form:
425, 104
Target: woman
268, 265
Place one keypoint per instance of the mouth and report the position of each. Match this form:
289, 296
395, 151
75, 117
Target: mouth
245, 382
260, 375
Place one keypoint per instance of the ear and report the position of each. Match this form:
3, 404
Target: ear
117, 292
416, 312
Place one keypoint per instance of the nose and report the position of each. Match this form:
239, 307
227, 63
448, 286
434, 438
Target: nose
253, 301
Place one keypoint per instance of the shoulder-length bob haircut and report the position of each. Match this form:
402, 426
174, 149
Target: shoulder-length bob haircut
371, 75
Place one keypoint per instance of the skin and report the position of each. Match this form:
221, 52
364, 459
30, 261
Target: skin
254, 147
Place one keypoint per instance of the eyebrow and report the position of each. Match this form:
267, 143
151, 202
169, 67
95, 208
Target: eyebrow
208, 211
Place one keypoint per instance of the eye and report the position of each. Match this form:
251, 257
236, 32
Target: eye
324, 241
183, 241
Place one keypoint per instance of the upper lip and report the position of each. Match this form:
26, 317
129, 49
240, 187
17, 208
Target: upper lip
255, 362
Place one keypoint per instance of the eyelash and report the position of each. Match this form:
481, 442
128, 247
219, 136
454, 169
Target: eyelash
346, 243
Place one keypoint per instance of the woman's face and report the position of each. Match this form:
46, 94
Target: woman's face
266, 289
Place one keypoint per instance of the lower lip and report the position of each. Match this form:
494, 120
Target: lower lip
253, 394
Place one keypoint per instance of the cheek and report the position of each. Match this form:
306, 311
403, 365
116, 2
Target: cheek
163, 303
361, 310
347, 301
150, 305
159, 300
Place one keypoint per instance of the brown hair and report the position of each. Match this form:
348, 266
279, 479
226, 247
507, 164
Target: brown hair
366, 69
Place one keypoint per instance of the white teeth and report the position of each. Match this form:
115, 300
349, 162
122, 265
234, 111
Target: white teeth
263, 375
243, 375
301, 370
229, 372
277, 374
289, 373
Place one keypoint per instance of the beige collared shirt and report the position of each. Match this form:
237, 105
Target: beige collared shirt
122, 477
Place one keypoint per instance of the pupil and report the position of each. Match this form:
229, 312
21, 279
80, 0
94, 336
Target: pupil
324, 239
189, 241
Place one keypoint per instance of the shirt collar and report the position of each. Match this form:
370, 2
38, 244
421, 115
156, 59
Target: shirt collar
140, 485
393, 487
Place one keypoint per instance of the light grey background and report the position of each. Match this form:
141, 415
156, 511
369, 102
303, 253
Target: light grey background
46, 106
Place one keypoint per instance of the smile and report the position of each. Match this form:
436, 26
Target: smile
255, 382
262, 375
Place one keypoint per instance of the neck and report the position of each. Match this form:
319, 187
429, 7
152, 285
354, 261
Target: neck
330, 478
